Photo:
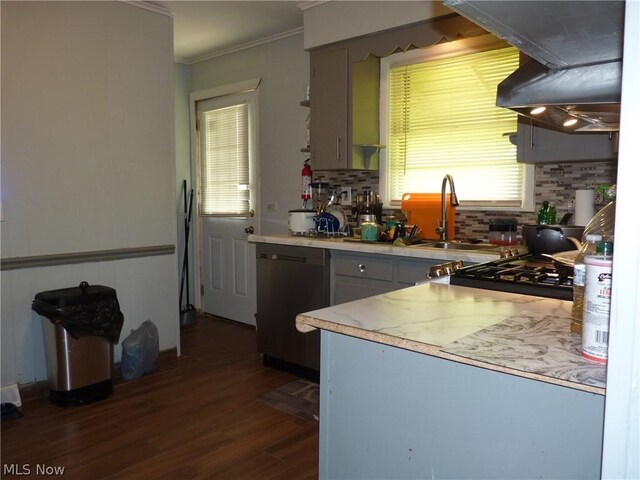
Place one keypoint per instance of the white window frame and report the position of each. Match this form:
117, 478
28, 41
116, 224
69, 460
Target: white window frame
248, 101
248, 86
458, 47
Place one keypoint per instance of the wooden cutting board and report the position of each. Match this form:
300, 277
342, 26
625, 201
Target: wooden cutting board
424, 210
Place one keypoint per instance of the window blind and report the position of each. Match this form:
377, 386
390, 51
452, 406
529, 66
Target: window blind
224, 164
443, 119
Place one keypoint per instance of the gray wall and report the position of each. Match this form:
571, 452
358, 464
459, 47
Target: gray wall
283, 66
328, 22
87, 163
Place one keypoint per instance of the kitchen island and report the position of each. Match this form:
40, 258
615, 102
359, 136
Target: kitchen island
442, 381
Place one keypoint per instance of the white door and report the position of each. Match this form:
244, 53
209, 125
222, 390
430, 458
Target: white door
227, 193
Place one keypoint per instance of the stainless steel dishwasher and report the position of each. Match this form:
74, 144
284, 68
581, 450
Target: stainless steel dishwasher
290, 280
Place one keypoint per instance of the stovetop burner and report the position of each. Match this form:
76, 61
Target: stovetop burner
522, 274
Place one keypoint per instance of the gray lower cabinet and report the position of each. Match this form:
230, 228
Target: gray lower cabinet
539, 144
387, 412
356, 276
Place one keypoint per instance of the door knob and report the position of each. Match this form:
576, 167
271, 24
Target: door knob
249, 230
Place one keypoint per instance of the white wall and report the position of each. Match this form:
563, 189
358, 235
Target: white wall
87, 163
621, 446
328, 22
283, 66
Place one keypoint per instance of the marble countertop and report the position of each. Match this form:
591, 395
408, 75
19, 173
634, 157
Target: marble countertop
515, 334
414, 251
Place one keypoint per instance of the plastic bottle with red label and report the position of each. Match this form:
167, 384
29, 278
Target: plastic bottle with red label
597, 303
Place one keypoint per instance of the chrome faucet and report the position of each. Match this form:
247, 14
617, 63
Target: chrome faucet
442, 225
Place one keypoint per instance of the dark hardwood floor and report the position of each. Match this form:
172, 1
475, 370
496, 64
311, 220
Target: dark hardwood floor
197, 416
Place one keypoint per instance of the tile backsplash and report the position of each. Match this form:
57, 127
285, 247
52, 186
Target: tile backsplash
556, 182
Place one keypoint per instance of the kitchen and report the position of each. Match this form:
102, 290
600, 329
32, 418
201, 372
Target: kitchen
281, 160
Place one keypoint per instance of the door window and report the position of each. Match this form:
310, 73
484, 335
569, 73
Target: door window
226, 155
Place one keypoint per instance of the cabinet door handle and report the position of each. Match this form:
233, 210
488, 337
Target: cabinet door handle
338, 148
531, 135
362, 267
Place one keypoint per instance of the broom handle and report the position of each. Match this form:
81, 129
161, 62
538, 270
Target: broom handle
186, 241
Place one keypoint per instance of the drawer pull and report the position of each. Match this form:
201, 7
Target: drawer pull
362, 267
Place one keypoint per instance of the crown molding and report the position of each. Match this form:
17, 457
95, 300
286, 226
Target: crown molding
148, 6
238, 48
310, 4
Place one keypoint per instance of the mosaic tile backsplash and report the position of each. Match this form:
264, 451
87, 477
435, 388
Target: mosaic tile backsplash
555, 182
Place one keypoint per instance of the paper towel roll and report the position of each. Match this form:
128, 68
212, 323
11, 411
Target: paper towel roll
585, 207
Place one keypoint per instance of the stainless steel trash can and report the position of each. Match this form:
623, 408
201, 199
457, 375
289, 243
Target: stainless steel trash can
80, 326
79, 370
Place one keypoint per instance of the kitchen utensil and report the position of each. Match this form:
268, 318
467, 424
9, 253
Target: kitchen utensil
412, 232
338, 212
565, 219
401, 216
425, 210
368, 203
503, 231
301, 221
550, 239
326, 223
563, 261
320, 195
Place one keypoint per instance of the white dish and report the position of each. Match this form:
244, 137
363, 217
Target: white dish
338, 212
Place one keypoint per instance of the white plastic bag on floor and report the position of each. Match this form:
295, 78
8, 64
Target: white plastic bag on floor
140, 351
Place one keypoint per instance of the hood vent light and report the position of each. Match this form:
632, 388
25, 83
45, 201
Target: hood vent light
576, 52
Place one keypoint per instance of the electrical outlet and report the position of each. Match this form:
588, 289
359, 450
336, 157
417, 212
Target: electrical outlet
346, 198
272, 207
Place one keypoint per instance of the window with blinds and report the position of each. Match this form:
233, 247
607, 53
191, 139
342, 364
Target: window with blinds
224, 161
442, 119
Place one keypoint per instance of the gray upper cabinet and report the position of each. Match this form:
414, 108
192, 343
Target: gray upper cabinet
344, 110
539, 144
345, 90
329, 115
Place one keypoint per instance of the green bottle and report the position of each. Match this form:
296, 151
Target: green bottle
551, 215
543, 214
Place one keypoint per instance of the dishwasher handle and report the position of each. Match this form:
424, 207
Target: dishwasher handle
286, 258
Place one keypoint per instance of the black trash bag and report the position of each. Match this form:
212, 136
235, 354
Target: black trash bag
83, 310
140, 351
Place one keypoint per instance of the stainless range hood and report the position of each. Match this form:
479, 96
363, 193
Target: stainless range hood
574, 79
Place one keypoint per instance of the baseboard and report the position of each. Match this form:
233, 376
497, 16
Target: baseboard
30, 391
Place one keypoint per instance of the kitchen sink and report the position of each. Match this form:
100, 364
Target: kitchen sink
453, 245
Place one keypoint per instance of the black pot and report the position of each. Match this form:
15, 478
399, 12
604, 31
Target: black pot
550, 239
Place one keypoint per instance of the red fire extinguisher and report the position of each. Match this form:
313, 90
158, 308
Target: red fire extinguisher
306, 181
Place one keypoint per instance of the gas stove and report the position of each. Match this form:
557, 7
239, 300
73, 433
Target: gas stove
523, 274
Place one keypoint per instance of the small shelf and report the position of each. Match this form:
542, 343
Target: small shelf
305, 149
369, 150
305, 103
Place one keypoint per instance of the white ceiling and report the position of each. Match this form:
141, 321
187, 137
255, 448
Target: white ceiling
208, 28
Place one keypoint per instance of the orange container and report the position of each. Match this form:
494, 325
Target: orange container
424, 210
